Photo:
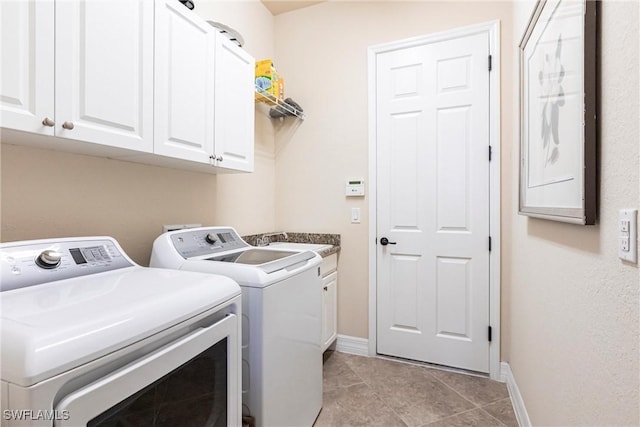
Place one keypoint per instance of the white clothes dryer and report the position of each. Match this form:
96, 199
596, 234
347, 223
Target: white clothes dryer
89, 338
281, 322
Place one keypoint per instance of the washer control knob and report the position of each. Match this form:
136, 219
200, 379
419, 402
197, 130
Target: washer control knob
210, 238
49, 259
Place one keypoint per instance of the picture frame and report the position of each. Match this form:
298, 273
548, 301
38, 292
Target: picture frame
558, 106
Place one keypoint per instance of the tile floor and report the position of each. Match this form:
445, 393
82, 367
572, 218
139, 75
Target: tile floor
365, 391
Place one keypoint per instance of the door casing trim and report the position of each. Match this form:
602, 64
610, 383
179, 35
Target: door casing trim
492, 28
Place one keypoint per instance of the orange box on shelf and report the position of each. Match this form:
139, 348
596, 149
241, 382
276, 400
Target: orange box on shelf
269, 85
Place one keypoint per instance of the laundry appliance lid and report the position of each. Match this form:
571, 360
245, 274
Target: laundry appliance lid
51, 328
255, 256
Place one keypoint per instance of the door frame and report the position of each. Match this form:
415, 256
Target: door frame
492, 28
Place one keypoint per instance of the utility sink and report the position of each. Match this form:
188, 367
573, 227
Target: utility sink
289, 246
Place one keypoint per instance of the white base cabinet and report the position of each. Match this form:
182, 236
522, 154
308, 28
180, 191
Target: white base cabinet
329, 272
329, 309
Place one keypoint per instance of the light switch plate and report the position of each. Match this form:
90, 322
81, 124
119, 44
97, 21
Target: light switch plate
355, 215
628, 235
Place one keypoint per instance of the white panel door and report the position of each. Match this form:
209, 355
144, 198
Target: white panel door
234, 106
433, 202
104, 72
26, 79
184, 83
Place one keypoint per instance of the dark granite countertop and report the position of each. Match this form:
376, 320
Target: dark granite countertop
296, 237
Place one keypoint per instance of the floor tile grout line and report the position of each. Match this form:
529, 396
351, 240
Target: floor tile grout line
374, 391
464, 412
388, 406
430, 375
453, 415
441, 381
454, 390
499, 422
493, 403
478, 405
343, 386
324, 389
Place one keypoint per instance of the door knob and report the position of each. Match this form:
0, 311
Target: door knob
48, 122
67, 125
384, 242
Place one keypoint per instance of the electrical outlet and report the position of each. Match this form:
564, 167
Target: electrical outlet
628, 235
624, 244
624, 225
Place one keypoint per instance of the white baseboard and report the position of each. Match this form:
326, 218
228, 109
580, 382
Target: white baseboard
352, 345
506, 375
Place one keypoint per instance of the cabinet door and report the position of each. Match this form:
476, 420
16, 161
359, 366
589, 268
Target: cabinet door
184, 80
329, 309
104, 72
26, 80
234, 109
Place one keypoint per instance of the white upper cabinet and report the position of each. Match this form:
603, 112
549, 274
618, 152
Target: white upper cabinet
143, 80
203, 92
26, 79
184, 84
234, 107
103, 62
104, 72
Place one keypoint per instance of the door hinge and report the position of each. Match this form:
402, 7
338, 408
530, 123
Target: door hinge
490, 152
490, 62
489, 243
489, 334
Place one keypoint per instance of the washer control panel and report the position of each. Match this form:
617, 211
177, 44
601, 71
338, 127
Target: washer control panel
42, 261
194, 242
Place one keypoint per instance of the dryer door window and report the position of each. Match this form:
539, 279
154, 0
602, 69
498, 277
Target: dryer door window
195, 394
193, 381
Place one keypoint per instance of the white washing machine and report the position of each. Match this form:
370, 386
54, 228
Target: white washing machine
89, 338
281, 323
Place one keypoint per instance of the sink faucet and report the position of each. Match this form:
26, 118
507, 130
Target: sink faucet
264, 239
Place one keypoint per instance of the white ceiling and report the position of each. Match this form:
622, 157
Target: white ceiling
277, 7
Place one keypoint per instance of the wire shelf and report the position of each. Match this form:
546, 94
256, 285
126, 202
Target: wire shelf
275, 102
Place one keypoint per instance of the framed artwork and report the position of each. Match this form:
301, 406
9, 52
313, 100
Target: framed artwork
558, 105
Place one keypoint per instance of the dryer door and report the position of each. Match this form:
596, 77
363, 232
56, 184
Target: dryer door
191, 381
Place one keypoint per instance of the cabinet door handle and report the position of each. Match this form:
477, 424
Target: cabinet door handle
219, 159
48, 122
67, 125
326, 288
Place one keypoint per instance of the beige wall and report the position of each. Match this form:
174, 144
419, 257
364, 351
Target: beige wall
573, 333
129, 201
247, 201
53, 194
322, 53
